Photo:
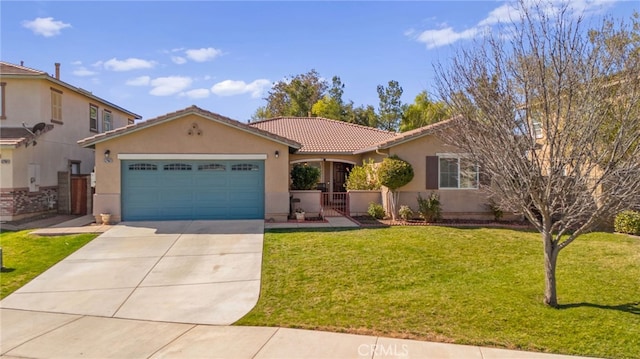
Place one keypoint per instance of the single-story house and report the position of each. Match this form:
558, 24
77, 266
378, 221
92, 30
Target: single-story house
196, 164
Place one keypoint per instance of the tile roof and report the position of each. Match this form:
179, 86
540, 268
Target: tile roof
91, 141
322, 135
16, 136
411, 135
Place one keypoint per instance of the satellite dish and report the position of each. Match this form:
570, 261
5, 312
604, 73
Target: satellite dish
38, 127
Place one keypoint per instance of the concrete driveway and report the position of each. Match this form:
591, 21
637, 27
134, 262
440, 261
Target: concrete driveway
199, 272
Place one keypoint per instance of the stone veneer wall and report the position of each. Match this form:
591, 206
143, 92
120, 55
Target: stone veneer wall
19, 203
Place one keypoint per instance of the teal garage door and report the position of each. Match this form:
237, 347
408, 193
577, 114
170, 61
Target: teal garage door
180, 189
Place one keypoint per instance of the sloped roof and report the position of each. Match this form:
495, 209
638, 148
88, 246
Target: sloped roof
411, 135
12, 69
322, 135
9, 70
16, 136
91, 141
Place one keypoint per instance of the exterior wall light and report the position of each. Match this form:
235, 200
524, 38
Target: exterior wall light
107, 156
277, 154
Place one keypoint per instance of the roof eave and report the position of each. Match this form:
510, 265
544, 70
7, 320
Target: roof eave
87, 143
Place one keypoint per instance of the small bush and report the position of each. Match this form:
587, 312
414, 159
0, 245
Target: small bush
495, 210
363, 177
405, 212
430, 209
304, 177
627, 222
376, 210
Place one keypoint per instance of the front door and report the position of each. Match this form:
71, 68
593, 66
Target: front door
340, 173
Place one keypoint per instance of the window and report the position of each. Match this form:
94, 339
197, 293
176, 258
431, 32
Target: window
177, 167
3, 106
212, 167
74, 167
143, 167
130, 121
458, 172
93, 118
107, 121
536, 126
56, 106
245, 167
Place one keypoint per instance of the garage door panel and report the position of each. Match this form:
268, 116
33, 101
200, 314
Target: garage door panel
160, 190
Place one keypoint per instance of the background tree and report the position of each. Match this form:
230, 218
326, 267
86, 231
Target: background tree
362, 115
331, 105
293, 96
390, 108
423, 112
551, 115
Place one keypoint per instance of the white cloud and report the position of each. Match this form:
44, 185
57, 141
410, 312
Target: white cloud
83, 72
231, 88
506, 13
446, 36
139, 81
204, 54
197, 93
502, 14
45, 26
178, 60
166, 86
128, 64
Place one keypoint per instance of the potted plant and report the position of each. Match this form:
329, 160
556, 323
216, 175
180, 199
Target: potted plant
300, 214
106, 218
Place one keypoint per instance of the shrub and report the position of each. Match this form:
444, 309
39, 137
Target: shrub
304, 177
363, 177
405, 212
376, 210
627, 222
495, 209
395, 172
429, 209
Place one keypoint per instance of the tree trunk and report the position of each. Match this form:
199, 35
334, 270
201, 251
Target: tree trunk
550, 259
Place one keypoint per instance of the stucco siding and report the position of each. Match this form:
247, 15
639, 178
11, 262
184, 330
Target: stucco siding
456, 203
215, 138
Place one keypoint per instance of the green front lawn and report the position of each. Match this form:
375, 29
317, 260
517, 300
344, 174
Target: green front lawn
469, 286
25, 256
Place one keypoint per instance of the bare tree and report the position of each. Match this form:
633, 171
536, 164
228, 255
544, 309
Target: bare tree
552, 115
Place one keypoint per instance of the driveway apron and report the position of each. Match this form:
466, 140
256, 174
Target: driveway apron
200, 272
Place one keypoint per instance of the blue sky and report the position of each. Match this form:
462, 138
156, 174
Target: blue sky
155, 57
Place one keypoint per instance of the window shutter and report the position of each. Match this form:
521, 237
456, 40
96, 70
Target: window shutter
432, 172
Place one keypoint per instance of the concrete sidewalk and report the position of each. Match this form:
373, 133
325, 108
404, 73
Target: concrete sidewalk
47, 335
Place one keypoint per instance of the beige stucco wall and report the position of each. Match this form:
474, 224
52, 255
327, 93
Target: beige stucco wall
29, 101
172, 138
456, 203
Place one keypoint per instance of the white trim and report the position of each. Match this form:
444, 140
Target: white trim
190, 156
323, 160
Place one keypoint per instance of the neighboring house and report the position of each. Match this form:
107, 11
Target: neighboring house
219, 168
41, 119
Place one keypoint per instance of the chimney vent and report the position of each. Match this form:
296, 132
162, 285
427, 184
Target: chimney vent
21, 63
57, 70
